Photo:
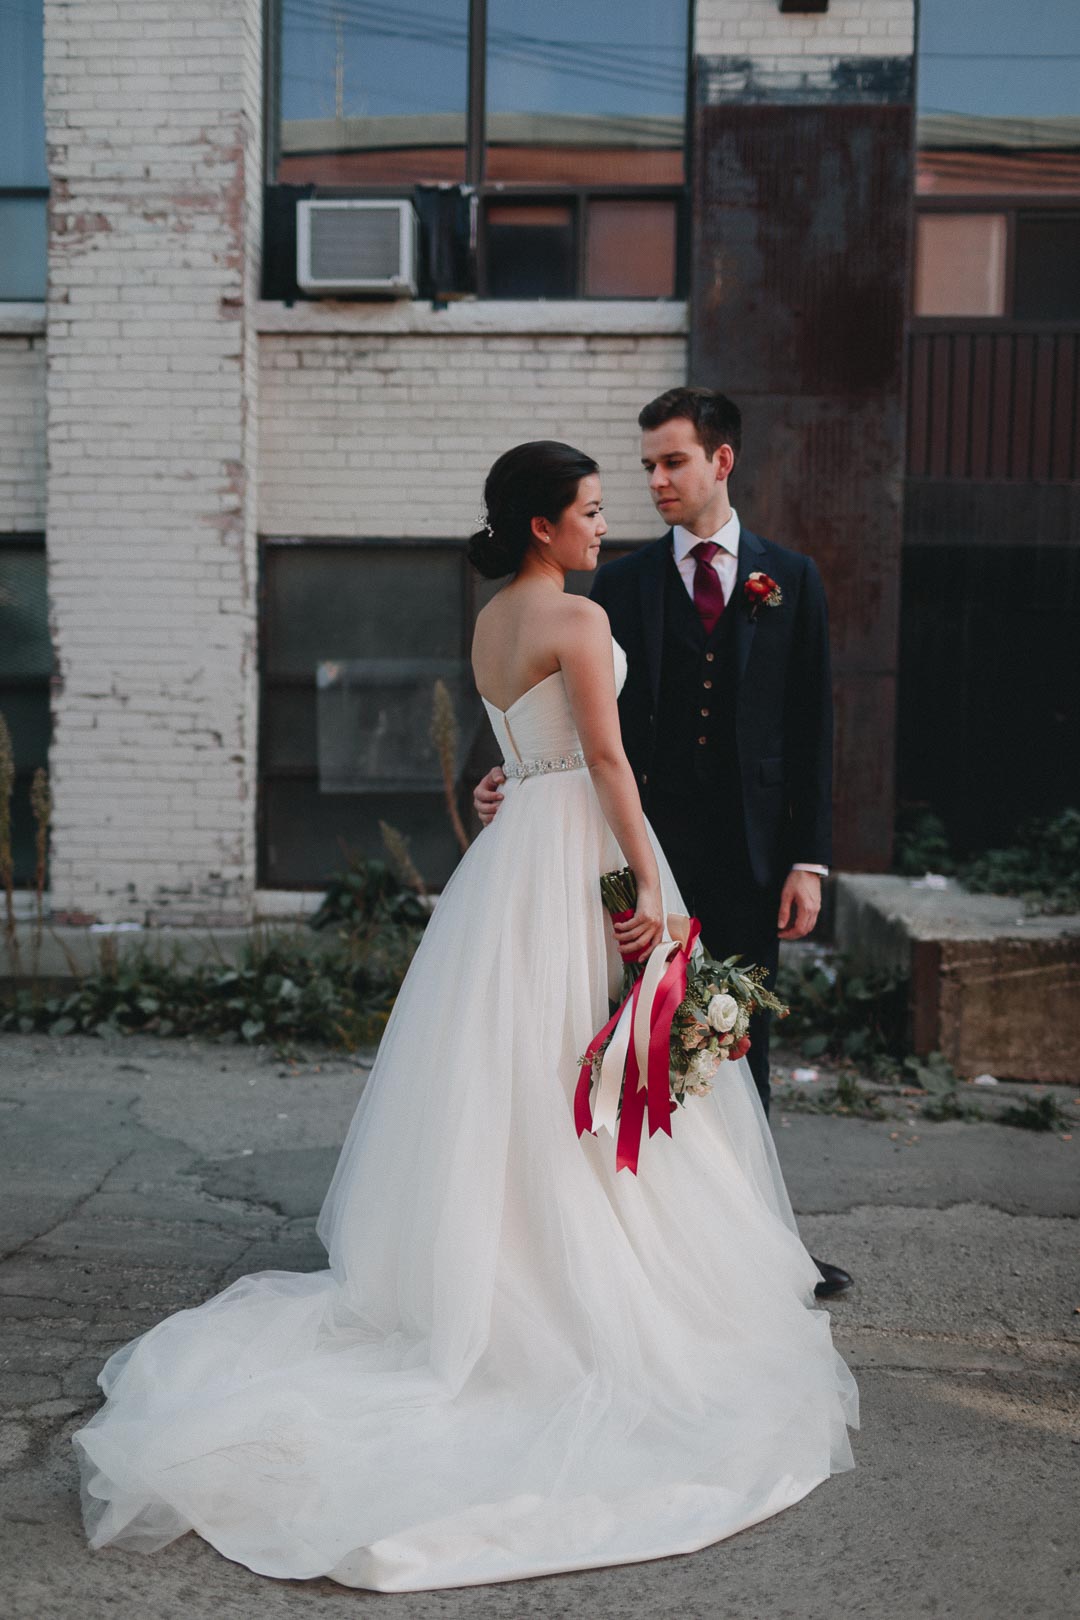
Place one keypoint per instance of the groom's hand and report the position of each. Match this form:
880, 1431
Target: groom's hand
486, 796
800, 902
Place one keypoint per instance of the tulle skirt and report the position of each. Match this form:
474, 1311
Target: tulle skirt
517, 1361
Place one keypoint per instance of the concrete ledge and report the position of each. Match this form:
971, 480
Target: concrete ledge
994, 990
495, 317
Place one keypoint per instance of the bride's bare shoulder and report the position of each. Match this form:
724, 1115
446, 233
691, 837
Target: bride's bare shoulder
578, 616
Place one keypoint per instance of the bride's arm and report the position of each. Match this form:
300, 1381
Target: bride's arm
584, 653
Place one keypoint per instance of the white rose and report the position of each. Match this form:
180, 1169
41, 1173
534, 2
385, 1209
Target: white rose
722, 1012
703, 1065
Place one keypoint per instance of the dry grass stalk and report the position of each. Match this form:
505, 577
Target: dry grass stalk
397, 847
444, 734
7, 858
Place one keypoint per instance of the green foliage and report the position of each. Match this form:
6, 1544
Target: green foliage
280, 991
367, 895
945, 1095
1043, 1113
921, 843
840, 1014
284, 988
846, 1097
1042, 867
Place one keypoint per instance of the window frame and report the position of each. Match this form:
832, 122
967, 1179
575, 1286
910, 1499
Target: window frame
1010, 205
30, 540
483, 191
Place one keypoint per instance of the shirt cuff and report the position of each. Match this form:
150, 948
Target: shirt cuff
807, 866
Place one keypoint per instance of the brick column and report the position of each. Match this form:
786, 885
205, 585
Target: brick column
153, 115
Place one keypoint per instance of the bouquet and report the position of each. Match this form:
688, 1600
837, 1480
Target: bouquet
682, 1015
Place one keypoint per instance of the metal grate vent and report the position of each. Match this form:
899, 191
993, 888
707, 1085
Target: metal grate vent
356, 246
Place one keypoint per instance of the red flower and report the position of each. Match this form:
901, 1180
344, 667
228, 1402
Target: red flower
740, 1048
761, 591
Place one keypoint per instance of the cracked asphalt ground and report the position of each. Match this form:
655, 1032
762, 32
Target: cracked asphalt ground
137, 1178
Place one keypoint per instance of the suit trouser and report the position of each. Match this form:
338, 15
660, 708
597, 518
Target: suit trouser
737, 915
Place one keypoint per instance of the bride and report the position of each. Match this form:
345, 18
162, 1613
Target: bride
518, 1361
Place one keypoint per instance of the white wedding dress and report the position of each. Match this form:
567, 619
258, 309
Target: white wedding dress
518, 1361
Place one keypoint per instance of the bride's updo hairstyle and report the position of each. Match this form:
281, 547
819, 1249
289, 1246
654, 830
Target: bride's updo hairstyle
539, 479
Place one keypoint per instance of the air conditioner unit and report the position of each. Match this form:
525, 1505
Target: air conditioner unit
348, 245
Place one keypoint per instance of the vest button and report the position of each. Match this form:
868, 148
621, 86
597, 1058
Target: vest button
704, 714
644, 778
702, 740
709, 657
708, 686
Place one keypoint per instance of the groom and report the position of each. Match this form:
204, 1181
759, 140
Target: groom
727, 706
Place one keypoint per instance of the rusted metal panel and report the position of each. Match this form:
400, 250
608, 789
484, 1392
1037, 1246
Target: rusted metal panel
1002, 405
800, 275
981, 374
1066, 408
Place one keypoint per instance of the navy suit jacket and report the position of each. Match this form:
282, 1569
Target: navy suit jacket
783, 724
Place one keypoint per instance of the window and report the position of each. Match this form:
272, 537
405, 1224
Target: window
564, 125
1047, 275
24, 179
1013, 264
25, 667
960, 264
352, 636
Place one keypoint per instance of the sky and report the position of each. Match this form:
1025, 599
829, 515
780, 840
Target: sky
1000, 58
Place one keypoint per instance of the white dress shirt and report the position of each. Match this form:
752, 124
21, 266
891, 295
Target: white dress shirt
726, 563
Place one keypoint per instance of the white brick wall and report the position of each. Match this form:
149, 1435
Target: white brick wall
22, 434
392, 435
759, 28
153, 118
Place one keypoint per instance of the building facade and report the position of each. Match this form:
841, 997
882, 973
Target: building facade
217, 493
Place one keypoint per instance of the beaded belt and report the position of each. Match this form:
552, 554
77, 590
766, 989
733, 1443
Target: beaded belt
541, 767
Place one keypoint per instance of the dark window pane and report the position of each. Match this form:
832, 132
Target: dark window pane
23, 248
373, 94
357, 602
530, 251
336, 604
26, 711
22, 150
308, 835
1047, 267
288, 729
586, 94
630, 249
25, 648
22, 99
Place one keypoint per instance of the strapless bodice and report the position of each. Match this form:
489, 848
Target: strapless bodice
539, 728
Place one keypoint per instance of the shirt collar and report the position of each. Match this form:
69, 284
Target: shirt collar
727, 537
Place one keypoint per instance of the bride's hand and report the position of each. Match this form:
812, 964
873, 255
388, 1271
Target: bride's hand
639, 933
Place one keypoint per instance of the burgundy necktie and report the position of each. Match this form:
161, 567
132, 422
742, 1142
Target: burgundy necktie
708, 591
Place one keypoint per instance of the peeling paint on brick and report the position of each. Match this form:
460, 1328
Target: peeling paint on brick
150, 487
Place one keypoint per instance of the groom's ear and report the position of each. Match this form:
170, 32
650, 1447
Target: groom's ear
724, 462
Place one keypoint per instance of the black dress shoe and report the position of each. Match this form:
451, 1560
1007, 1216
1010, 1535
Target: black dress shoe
833, 1280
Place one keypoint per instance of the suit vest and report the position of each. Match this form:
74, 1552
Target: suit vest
695, 720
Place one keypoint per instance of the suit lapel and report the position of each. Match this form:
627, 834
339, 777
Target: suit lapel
750, 553
651, 586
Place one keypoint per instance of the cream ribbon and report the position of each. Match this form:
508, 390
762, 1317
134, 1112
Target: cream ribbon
636, 1025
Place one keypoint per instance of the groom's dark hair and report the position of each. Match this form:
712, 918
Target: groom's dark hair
717, 420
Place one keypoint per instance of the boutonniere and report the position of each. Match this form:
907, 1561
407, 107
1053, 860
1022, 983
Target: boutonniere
761, 591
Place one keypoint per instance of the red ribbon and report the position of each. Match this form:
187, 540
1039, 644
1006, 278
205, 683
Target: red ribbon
625, 916
655, 1096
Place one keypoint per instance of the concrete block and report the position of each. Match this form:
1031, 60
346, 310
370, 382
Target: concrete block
995, 990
